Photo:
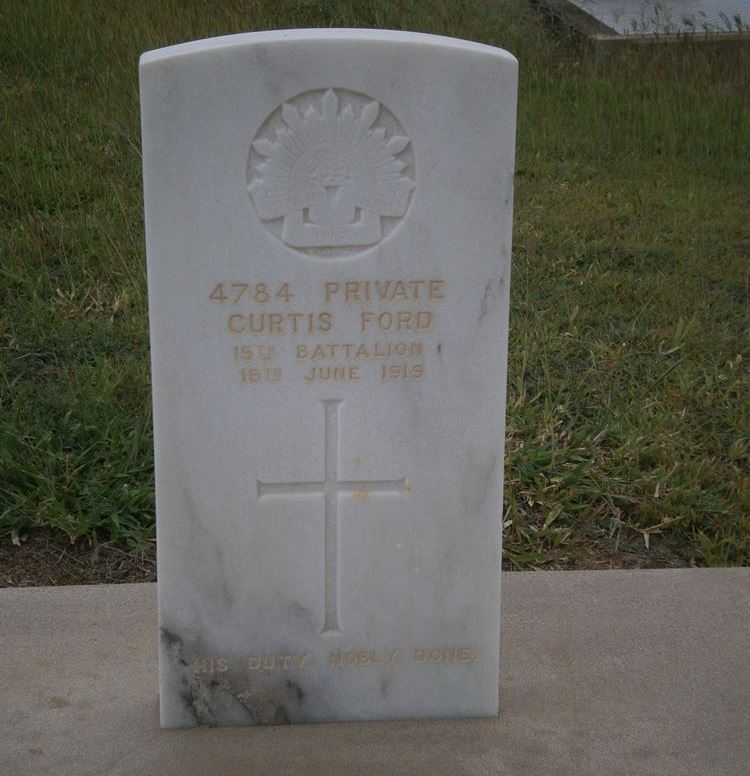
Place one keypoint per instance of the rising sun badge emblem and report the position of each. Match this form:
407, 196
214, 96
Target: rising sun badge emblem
331, 172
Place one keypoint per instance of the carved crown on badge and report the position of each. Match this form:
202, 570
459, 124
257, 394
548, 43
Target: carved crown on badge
331, 172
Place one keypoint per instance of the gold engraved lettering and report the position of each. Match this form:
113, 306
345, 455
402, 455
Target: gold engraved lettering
385, 291
416, 286
401, 372
235, 322
357, 658
218, 295
351, 294
210, 665
348, 351
405, 320
446, 655
332, 373
254, 376
274, 322
325, 321
331, 290
258, 292
294, 320
240, 288
399, 291
284, 292
257, 323
275, 662
280, 323
436, 289
362, 658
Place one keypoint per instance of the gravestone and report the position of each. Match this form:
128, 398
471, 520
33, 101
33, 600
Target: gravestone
328, 224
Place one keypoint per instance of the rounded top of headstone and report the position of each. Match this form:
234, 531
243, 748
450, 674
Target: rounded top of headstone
322, 34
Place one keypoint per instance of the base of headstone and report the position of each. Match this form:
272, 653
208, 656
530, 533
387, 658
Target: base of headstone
612, 673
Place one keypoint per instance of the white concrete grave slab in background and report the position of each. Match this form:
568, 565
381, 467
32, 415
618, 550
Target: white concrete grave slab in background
647, 17
328, 226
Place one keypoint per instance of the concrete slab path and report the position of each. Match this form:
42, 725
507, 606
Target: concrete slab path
603, 673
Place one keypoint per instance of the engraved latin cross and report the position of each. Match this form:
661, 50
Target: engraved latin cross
330, 487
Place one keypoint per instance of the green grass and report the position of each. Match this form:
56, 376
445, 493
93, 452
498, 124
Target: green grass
629, 394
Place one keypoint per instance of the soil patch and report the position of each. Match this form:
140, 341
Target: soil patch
45, 558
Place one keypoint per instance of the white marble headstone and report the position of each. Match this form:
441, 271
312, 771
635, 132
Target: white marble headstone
328, 228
